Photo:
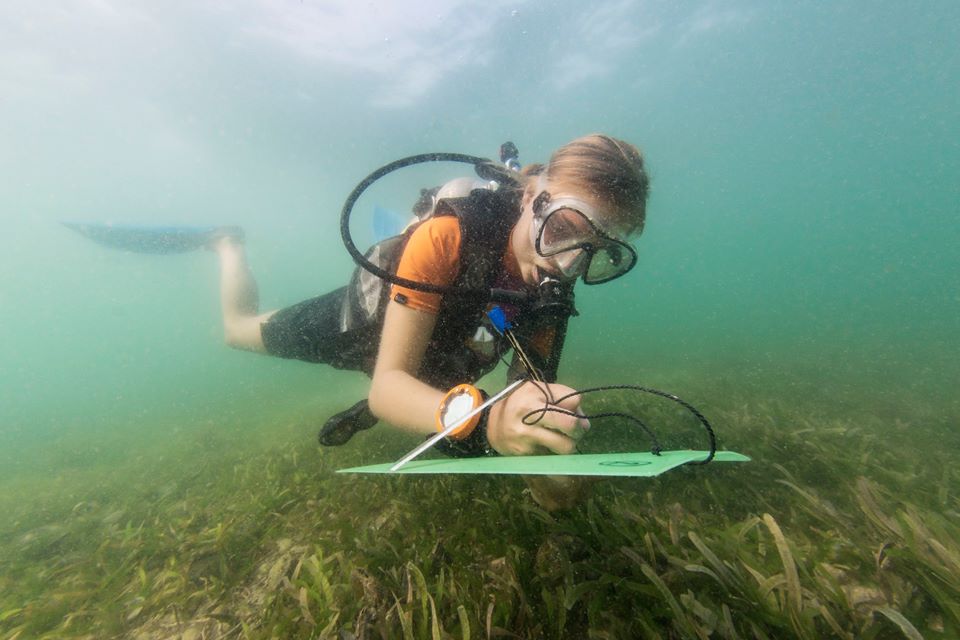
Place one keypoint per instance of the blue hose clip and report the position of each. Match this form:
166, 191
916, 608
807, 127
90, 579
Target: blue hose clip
499, 320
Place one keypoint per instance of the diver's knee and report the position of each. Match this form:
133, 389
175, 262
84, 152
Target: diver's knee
554, 493
243, 335
233, 339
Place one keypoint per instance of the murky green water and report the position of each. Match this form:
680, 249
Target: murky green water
797, 281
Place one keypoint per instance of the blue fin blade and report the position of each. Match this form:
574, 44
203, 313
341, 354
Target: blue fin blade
387, 223
145, 238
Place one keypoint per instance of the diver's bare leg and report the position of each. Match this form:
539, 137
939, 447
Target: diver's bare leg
239, 299
553, 493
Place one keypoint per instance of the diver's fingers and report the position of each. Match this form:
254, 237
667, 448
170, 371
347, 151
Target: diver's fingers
553, 440
572, 405
572, 426
539, 392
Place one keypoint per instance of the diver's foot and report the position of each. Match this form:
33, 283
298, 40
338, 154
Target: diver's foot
219, 236
340, 428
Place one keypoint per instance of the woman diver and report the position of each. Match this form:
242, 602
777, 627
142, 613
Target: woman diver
571, 218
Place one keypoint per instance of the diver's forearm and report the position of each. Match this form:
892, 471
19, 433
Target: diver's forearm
403, 401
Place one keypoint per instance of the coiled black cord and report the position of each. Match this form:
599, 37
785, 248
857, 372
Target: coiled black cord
535, 416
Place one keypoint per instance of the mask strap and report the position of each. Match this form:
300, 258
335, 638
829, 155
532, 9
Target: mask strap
540, 202
543, 197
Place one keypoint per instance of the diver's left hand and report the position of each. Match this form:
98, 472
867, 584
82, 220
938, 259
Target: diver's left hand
553, 432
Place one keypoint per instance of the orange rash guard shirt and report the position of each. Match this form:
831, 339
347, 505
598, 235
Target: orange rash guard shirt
432, 255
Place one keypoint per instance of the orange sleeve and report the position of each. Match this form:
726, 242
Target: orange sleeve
432, 255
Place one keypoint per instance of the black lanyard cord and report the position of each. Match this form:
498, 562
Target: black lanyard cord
657, 448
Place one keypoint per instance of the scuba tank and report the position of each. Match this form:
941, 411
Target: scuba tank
426, 205
461, 187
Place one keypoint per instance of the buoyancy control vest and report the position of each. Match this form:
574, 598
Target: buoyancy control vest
486, 218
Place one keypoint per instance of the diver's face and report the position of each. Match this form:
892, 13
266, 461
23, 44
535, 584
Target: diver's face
569, 236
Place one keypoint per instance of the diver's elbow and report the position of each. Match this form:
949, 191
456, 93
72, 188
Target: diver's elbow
375, 398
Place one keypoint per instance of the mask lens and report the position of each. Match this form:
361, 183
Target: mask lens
573, 262
608, 262
581, 248
564, 229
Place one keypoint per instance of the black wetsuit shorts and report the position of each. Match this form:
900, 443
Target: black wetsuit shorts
311, 331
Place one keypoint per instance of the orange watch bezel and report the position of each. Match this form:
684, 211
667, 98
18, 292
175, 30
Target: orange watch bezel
465, 429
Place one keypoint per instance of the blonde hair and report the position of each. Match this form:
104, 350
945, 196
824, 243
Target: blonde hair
609, 169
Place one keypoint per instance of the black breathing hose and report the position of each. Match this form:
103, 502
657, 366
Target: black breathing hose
485, 168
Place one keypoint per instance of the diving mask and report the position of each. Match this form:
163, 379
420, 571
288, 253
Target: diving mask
563, 230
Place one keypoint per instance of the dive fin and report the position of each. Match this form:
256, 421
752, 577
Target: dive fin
152, 239
387, 223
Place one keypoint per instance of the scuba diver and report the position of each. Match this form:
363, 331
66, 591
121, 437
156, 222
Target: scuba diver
530, 234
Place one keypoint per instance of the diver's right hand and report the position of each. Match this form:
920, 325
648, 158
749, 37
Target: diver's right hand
553, 432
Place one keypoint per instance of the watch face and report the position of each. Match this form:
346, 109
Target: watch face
458, 413
457, 406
